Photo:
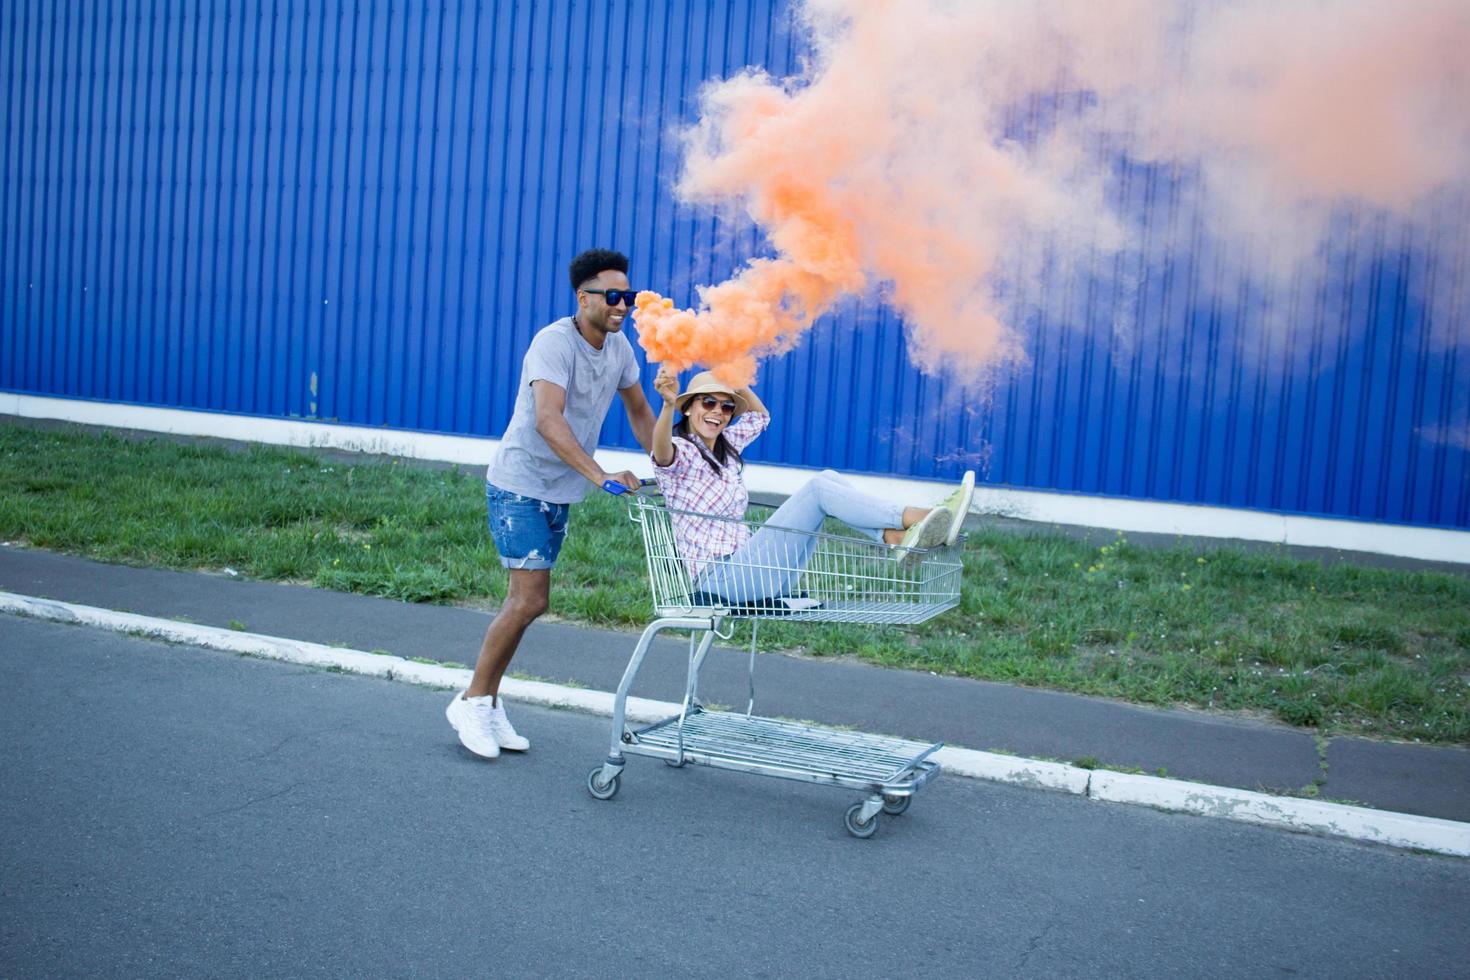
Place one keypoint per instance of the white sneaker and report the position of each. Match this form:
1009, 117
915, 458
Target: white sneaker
927, 533
958, 505
471, 719
503, 732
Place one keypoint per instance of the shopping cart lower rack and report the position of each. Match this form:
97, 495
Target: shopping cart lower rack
799, 577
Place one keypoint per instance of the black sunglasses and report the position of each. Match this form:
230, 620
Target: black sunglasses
710, 401
615, 297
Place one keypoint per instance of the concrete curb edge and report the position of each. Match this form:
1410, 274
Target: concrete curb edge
1403, 830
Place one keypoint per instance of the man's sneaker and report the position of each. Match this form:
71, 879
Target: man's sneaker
501, 728
471, 718
928, 532
958, 505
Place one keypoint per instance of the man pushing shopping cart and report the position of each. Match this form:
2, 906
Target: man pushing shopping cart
544, 465
707, 562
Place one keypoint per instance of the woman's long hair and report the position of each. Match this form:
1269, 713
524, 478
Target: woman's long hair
723, 451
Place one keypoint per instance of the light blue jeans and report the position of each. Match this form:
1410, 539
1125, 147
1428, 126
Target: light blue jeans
528, 532
773, 559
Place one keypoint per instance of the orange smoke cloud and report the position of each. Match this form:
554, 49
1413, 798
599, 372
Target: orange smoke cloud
761, 311
895, 162
1349, 100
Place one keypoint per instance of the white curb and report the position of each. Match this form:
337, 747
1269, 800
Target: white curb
318, 655
1309, 816
1013, 769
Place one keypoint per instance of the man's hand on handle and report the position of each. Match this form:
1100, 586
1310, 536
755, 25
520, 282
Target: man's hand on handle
626, 478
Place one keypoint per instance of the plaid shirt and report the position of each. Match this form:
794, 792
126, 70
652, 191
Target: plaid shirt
690, 483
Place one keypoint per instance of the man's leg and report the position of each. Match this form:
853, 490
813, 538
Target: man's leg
528, 535
527, 598
478, 714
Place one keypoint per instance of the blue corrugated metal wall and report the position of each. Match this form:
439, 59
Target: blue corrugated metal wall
360, 211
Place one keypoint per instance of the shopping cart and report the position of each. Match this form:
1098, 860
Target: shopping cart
798, 577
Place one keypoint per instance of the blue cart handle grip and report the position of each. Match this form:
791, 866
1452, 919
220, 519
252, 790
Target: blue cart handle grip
617, 489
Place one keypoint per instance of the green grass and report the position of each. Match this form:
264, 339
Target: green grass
1338, 648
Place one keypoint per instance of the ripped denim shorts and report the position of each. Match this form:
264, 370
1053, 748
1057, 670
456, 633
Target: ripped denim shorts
528, 532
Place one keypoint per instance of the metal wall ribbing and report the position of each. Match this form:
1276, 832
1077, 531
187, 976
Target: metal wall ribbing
360, 210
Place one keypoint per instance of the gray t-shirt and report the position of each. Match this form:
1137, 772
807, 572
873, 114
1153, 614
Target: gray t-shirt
525, 464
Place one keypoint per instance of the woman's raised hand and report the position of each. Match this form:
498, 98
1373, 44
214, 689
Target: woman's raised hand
667, 385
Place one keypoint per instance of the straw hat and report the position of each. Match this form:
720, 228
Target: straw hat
705, 383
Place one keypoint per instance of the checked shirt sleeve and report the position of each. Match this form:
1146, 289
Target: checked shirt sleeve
684, 457
744, 430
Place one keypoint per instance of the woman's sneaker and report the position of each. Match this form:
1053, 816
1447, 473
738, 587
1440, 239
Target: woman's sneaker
504, 733
958, 505
928, 532
471, 718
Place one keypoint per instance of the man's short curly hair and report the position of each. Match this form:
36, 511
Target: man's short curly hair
593, 261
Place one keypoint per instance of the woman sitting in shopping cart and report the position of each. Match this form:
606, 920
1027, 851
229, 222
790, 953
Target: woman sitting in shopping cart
698, 466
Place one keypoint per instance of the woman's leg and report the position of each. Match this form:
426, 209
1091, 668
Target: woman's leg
770, 563
863, 512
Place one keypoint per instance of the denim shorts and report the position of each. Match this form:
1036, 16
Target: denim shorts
528, 532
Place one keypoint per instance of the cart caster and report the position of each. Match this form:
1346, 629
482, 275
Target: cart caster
603, 790
894, 805
856, 828
676, 763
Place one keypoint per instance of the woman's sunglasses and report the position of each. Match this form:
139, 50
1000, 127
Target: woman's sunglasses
710, 401
615, 297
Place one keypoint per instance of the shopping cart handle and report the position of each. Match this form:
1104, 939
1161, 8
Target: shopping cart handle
617, 489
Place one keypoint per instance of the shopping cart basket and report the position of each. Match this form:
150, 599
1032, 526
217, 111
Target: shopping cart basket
797, 577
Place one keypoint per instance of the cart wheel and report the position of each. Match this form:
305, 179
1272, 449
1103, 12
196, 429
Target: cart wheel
894, 805
860, 829
601, 790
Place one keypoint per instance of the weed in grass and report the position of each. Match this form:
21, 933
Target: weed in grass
1087, 762
1303, 712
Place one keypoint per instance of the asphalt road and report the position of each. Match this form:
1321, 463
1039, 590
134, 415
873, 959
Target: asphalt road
166, 811
1033, 722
